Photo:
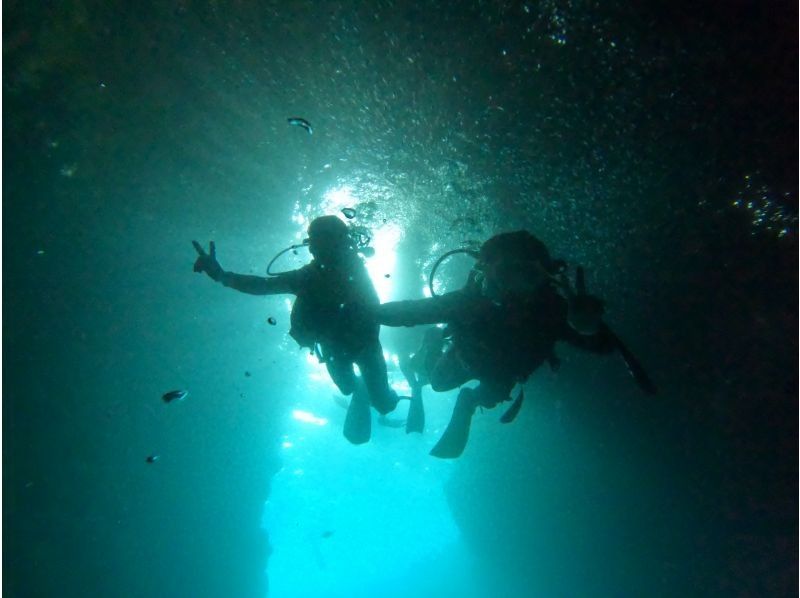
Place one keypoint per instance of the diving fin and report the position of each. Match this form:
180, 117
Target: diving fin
635, 368
358, 421
415, 421
511, 412
454, 439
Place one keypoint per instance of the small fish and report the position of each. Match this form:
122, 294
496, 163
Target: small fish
387, 275
271, 321
247, 374
174, 395
300, 122
327, 533
349, 213
152, 458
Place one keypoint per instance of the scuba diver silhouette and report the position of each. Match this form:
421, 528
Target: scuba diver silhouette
335, 277
500, 327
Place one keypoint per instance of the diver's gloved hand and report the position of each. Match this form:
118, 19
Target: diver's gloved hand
585, 311
207, 262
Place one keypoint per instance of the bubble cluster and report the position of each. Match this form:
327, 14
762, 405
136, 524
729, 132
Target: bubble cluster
769, 209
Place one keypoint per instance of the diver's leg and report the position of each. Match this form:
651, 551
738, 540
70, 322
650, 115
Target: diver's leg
454, 439
489, 393
429, 353
357, 422
448, 372
373, 371
341, 372
415, 421
409, 371
417, 367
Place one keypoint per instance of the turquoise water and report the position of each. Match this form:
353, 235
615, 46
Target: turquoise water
655, 146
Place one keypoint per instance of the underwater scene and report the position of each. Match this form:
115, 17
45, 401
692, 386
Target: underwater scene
400, 299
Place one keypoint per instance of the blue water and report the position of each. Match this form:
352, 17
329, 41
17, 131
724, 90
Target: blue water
654, 145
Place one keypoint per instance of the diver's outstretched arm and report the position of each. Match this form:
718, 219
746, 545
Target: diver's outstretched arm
606, 341
634, 367
587, 330
257, 285
253, 285
585, 311
415, 312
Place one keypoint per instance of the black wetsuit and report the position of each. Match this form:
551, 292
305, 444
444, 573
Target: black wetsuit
496, 344
320, 322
